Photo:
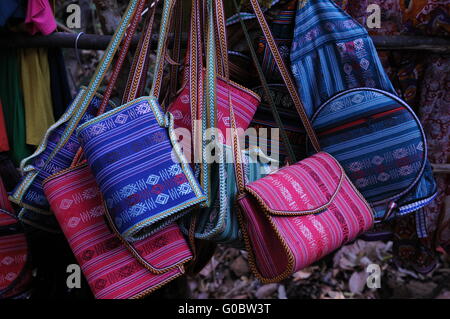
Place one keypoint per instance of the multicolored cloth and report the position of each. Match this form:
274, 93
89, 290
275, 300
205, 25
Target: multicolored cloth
421, 79
51, 157
139, 167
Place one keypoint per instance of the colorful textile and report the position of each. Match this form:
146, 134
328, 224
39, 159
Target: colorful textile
40, 17
379, 141
12, 101
36, 94
15, 275
421, 80
435, 114
50, 157
109, 267
331, 53
223, 226
299, 214
245, 102
282, 27
139, 167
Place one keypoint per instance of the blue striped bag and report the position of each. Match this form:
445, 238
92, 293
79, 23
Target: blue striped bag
137, 162
59, 145
358, 118
51, 156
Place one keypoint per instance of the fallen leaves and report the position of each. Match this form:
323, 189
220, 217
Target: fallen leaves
340, 276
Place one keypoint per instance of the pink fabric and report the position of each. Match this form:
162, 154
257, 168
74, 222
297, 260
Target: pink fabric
110, 269
5, 204
292, 191
13, 253
4, 144
40, 17
244, 102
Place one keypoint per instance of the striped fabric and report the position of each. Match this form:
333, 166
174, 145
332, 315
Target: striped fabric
219, 222
299, 214
375, 136
110, 269
15, 275
45, 162
245, 103
331, 53
282, 27
223, 227
379, 141
139, 167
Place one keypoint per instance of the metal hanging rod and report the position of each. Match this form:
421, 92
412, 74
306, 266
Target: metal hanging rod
100, 42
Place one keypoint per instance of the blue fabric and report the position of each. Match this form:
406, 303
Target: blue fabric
379, 142
384, 155
331, 53
10, 9
131, 156
33, 197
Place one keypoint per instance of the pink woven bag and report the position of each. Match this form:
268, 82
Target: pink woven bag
299, 214
245, 103
113, 268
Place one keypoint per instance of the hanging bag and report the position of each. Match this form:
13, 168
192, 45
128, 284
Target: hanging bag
302, 212
137, 162
113, 268
218, 222
60, 144
358, 118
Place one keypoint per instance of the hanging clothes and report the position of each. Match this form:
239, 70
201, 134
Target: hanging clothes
61, 96
4, 144
40, 17
36, 93
12, 99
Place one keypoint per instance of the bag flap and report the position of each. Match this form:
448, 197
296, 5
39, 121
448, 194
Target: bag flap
306, 187
159, 253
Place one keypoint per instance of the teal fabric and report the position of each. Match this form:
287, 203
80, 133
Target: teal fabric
13, 108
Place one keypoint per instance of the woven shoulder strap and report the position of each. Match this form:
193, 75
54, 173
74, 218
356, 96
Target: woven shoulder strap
285, 74
265, 86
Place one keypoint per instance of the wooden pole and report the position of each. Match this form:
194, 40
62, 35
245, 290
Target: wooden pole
100, 42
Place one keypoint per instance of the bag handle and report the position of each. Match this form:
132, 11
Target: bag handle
81, 103
100, 72
138, 72
117, 68
265, 86
285, 74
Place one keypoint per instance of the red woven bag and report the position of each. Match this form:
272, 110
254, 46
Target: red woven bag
113, 268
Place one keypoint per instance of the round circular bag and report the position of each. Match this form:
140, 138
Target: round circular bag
380, 142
